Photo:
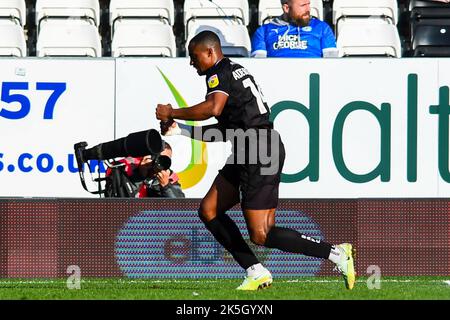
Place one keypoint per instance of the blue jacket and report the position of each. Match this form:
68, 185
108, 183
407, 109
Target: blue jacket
281, 39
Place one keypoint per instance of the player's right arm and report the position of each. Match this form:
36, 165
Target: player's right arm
211, 107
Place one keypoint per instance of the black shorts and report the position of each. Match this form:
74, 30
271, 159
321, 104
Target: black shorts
258, 181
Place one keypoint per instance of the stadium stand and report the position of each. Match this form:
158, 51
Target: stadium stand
431, 41
151, 40
234, 38
142, 28
269, 9
429, 28
364, 11
221, 9
369, 40
13, 11
367, 27
12, 36
155, 11
68, 38
68, 28
87, 10
12, 41
228, 16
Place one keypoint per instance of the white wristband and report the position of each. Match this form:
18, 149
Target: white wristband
173, 131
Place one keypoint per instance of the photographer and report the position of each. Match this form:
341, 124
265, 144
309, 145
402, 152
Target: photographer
143, 179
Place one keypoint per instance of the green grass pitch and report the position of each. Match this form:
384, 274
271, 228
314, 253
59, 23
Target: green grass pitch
303, 288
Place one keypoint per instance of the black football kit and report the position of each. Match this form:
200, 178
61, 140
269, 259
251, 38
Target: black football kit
245, 122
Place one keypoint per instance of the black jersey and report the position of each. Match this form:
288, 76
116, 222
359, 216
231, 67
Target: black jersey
245, 107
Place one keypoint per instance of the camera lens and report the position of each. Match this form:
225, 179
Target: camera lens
162, 163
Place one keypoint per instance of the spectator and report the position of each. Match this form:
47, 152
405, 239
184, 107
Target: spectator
294, 34
142, 181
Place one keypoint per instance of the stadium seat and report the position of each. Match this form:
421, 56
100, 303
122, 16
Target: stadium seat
234, 39
231, 9
356, 22
217, 24
369, 40
269, 9
429, 9
68, 38
427, 13
431, 41
155, 11
13, 10
12, 41
348, 10
143, 40
88, 10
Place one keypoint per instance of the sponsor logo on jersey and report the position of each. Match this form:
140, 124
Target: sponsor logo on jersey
213, 81
290, 41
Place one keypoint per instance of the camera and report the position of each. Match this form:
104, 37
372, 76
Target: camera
160, 163
137, 144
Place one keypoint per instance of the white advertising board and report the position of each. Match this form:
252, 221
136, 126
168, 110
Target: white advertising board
352, 128
372, 134
442, 97
46, 106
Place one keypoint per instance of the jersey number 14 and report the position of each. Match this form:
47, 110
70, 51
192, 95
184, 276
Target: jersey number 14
248, 83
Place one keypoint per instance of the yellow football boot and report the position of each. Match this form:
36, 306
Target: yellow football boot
347, 265
261, 281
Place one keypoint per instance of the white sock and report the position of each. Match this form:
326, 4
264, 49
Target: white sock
335, 254
255, 270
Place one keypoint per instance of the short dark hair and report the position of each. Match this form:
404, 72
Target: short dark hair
207, 38
167, 146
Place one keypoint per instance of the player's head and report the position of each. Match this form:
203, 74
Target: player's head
204, 51
297, 11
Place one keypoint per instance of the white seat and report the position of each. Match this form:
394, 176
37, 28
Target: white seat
85, 9
143, 40
355, 22
386, 9
68, 38
159, 11
12, 41
14, 10
235, 40
369, 40
269, 9
197, 9
218, 25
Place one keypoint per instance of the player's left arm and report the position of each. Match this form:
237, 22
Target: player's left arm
211, 107
259, 47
